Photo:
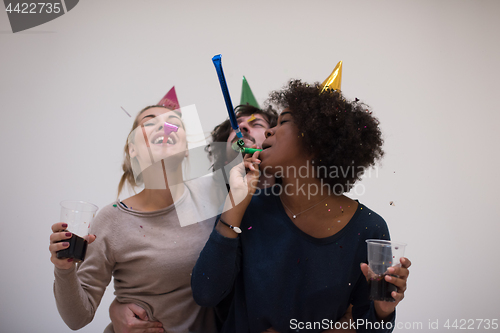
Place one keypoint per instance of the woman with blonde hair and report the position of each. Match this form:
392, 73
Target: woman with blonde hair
141, 241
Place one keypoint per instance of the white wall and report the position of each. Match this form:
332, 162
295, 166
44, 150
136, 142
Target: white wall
429, 70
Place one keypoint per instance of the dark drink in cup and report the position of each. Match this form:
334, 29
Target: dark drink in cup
380, 289
76, 250
77, 215
382, 255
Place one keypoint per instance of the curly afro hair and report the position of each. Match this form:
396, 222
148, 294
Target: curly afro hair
343, 136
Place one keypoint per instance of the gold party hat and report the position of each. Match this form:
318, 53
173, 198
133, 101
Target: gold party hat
334, 80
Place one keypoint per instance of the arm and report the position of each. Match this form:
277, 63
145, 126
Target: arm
131, 318
78, 291
218, 265
345, 322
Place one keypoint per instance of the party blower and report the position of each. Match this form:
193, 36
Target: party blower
167, 129
240, 144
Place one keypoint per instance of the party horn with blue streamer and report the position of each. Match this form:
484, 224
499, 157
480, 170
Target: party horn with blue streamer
240, 144
217, 60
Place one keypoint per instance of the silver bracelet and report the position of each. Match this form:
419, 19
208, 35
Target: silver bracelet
235, 229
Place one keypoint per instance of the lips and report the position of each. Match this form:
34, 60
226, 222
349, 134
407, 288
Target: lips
265, 145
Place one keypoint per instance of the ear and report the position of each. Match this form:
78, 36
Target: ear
131, 150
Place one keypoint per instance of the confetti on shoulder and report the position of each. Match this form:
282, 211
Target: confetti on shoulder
114, 205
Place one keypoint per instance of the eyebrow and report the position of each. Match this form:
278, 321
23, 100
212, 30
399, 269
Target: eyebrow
285, 113
149, 115
153, 116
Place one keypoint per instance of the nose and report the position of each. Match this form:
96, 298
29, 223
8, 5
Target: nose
244, 127
269, 132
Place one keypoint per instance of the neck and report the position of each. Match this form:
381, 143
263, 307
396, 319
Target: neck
300, 193
163, 186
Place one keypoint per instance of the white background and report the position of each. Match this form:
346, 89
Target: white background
428, 69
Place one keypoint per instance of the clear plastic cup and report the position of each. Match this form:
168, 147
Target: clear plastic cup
78, 215
382, 254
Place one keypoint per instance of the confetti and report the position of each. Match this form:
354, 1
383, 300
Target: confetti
125, 111
328, 210
141, 226
252, 117
392, 203
349, 283
114, 205
249, 228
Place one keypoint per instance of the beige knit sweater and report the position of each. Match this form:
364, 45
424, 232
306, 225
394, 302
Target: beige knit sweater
150, 257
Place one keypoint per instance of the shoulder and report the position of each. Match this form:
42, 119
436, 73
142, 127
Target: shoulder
207, 188
373, 223
106, 216
267, 196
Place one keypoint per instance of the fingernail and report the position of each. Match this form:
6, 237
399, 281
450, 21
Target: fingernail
96, 235
70, 259
65, 244
68, 234
64, 225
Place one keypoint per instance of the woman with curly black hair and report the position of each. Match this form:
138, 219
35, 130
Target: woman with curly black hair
292, 252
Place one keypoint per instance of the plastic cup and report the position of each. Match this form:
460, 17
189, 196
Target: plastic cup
78, 215
382, 254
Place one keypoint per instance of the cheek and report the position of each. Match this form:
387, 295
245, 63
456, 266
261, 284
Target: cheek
259, 137
231, 136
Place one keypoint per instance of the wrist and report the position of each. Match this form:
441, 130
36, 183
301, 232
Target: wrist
381, 313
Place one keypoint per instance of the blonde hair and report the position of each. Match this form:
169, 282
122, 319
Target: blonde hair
129, 165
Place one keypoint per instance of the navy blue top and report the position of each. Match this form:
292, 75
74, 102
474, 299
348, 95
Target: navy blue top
283, 276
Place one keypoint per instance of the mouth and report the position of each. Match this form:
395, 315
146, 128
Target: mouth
265, 145
249, 141
159, 139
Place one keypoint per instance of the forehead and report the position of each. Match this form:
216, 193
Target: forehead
157, 112
256, 115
